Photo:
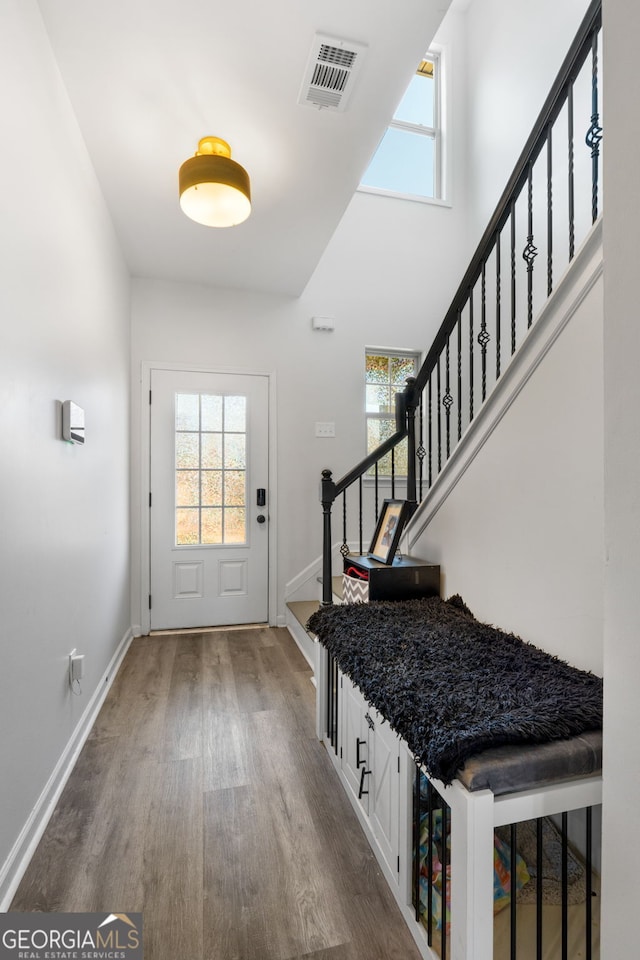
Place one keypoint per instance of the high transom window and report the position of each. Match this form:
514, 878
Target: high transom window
407, 161
211, 469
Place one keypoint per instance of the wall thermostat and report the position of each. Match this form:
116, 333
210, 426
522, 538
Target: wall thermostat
72, 422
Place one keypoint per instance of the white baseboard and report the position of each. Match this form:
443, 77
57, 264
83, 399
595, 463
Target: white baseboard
14, 867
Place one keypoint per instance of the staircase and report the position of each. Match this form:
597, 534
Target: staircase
298, 613
540, 238
522, 331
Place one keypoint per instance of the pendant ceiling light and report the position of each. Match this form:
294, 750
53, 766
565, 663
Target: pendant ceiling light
214, 189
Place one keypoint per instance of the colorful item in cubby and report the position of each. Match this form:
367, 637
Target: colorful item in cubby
501, 871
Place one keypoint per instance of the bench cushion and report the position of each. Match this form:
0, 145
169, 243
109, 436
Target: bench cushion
510, 769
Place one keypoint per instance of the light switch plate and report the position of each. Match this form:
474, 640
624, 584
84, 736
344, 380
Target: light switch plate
325, 429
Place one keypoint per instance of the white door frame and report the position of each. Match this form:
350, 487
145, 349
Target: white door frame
146, 367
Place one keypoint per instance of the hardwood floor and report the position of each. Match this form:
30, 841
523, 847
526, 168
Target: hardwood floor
203, 800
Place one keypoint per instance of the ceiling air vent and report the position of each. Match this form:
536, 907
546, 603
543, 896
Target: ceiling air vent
331, 71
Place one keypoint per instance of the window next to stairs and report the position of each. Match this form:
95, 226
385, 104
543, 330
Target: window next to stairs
408, 161
386, 372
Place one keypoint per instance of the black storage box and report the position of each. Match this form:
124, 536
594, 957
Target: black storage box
407, 578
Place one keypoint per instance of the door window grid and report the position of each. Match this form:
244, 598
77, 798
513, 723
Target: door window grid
210, 474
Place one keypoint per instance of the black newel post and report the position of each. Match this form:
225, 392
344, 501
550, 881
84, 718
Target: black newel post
411, 403
327, 496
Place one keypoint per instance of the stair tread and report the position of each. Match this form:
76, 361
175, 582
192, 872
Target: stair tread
302, 609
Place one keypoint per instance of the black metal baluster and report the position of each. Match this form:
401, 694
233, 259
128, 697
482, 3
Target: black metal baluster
589, 887
327, 498
430, 443
459, 374
344, 549
565, 888
330, 701
447, 401
549, 212
513, 277
393, 473
498, 305
417, 830
483, 336
360, 510
513, 884
470, 355
445, 885
539, 882
375, 473
530, 252
336, 700
594, 134
421, 452
439, 416
430, 863
572, 206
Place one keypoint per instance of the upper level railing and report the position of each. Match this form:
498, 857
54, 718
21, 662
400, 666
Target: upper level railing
551, 200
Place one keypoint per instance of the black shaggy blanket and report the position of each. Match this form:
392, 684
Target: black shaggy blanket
451, 686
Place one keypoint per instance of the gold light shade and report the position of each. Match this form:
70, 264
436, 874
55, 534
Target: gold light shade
214, 189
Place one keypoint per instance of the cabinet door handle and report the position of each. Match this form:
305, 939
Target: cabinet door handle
359, 760
361, 792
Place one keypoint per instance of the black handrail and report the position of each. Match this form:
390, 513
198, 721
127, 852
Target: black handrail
427, 392
554, 103
367, 462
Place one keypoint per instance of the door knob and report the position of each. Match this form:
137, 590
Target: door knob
261, 518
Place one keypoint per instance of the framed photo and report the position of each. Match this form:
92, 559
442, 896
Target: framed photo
388, 530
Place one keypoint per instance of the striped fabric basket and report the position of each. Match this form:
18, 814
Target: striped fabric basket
355, 586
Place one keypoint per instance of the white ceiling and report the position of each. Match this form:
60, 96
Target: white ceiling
148, 78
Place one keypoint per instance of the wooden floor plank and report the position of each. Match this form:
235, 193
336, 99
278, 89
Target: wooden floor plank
135, 707
203, 800
49, 881
173, 864
182, 733
240, 913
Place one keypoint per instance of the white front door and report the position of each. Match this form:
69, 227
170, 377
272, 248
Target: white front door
209, 499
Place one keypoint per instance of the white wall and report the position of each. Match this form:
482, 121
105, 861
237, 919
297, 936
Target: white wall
64, 335
621, 842
382, 286
514, 50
